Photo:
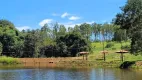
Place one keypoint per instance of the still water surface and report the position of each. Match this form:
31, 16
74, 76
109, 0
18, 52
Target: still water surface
70, 74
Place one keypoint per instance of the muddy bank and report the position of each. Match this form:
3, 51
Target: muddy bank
47, 62
68, 62
72, 62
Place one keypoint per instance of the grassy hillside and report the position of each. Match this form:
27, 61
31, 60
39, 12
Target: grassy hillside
111, 55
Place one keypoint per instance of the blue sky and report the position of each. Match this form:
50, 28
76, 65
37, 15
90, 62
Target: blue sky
32, 14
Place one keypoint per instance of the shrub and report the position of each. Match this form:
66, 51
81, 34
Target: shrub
70, 44
113, 48
8, 60
126, 47
109, 45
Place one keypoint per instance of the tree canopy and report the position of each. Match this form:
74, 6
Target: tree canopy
54, 40
131, 19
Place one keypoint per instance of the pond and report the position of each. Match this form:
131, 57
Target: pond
70, 74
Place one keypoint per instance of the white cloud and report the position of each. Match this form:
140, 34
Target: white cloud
45, 21
74, 18
69, 24
72, 24
23, 28
54, 14
64, 15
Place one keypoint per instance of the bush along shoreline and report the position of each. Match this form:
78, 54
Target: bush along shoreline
8, 60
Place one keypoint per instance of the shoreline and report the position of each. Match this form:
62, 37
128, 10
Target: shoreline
74, 62
77, 62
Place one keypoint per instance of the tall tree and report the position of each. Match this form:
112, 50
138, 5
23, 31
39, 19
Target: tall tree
85, 30
8, 34
30, 45
95, 30
62, 30
70, 29
131, 20
55, 30
76, 29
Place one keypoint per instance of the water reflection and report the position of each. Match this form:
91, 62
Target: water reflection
70, 74
115, 74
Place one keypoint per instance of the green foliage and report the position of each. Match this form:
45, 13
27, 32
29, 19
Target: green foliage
62, 42
136, 44
71, 44
6, 24
66, 46
85, 30
109, 45
120, 35
131, 19
18, 49
49, 51
131, 14
103, 30
8, 60
113, 48
62, 30
55, 30
8, 35
29, 46
1, 48
70, 29
126, 47
112, 55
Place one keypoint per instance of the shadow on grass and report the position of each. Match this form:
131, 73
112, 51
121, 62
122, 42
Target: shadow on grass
99, 59
126, 64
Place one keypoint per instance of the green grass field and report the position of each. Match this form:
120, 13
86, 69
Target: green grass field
97, 47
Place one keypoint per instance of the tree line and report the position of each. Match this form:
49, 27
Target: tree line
52, 40
59, 41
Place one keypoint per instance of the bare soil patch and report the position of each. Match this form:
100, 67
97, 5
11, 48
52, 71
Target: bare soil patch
46, 62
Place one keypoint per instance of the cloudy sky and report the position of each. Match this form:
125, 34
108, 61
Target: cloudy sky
33, 14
